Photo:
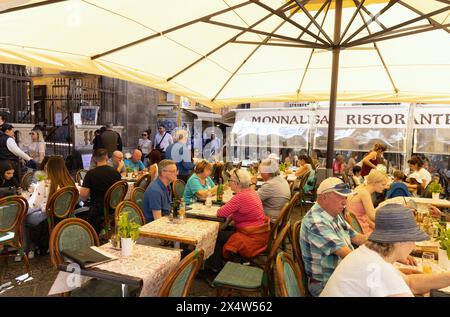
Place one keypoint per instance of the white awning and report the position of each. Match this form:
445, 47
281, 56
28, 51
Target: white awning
206, 116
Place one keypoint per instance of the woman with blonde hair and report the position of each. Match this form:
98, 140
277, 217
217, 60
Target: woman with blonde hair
36, 149
361, 205
57, 177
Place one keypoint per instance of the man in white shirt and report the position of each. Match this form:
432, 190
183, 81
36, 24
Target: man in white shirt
162, 139
369, 271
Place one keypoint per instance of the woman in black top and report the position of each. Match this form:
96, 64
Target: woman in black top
6, 175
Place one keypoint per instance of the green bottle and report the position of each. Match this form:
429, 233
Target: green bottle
219, 196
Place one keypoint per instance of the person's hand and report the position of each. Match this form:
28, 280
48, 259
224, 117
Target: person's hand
121, 165
434, 212
31, 164
408, 261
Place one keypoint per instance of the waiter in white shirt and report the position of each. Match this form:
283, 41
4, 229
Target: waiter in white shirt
9, 151
162, 140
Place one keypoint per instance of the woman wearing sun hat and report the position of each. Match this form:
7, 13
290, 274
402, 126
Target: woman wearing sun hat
369, 271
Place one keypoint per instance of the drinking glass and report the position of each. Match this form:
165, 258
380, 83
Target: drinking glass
208, 202
427, 261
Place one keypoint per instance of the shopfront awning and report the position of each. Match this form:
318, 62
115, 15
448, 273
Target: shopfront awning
206, 116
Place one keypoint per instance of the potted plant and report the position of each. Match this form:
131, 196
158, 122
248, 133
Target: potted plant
128, 231
129, 170
435, 188
444, 246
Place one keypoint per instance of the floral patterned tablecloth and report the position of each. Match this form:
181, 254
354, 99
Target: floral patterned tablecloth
151, 264
202, 233
201, 210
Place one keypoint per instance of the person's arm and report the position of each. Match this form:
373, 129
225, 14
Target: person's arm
302, 170
366, 160
359, 239
229, 208
423, 283
368, 205
343, 252
12, 146
121, 168
156, 214
41, 151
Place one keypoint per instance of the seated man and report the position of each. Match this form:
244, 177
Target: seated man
275, 191
135, 162
325, 237
117, 162
158, 195
95, 185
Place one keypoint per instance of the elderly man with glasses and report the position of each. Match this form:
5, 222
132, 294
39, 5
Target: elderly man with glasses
158, 196
325, 236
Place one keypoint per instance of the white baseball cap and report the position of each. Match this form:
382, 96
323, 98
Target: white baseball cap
334, 184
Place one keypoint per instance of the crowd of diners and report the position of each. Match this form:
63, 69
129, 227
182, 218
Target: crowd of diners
338, 260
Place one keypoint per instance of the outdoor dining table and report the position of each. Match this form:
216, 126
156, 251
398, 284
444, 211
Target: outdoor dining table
200, 233
422, 203
200, 211
151, 264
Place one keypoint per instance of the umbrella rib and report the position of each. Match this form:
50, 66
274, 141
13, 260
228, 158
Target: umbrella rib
358, 9
398, 26
172, 29
312, 52
276, 44
283, 7
284, 17
249, 56
315, 16
381, 58
427, 28
417, 11
31, 6
387, 7
292, 39
371, 15
330, 41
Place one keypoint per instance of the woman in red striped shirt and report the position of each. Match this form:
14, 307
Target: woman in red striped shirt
251, 225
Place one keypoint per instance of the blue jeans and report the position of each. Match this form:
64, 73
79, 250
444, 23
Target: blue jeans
315, 288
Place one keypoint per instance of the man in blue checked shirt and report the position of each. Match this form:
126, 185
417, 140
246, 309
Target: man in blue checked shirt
325, 236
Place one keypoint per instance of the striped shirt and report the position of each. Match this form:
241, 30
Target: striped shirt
245, 208
321, 236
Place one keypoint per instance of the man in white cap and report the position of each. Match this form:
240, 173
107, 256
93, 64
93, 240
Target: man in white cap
325, 236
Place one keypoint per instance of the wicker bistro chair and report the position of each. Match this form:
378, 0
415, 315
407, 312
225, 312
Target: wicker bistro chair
143, 181
353, 221
137, 196
178, 189
135, 213
179, 282
75, 234
79, 177
13, 210
26, 180
113, 196
235, 276
297, 252
61, 205
289, 277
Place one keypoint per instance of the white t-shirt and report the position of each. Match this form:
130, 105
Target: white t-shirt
364, 273
424, 174
145, 145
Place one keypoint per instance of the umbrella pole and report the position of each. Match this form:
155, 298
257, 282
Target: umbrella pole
334, 84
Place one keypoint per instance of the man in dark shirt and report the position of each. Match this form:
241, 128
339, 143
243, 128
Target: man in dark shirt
111, 140
95, 185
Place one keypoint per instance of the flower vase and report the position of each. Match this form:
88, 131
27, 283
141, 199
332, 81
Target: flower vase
127, 246
435, 196
443, 259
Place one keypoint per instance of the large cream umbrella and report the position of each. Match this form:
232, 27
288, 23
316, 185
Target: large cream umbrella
222, 52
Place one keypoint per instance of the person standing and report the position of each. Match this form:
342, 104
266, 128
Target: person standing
180, 153
9, 151
111, 140
372, 159
162, 140
145, 145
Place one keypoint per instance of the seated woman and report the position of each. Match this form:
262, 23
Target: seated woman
35, 221
8, 183
306, 165
252, 227
200, 185
369, 271
361, 205
154, 157
419, 172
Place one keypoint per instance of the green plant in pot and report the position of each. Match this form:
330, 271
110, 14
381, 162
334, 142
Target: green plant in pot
443, 238
128, 231
435, 188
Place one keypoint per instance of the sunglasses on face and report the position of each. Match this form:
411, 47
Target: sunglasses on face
144, 134
235, 173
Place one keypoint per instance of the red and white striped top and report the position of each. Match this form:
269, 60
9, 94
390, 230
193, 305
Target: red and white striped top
245, 208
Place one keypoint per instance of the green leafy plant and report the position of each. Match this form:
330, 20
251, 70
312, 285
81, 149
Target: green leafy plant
127, 229
282, 167
40, 176
444, 238
129, 169
435, 187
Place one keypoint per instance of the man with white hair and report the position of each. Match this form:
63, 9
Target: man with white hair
117, 162
325, 236
275, 191
180, 153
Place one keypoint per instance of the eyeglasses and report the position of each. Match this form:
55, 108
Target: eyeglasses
32, 133
144, 134
173, 171
235, 173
